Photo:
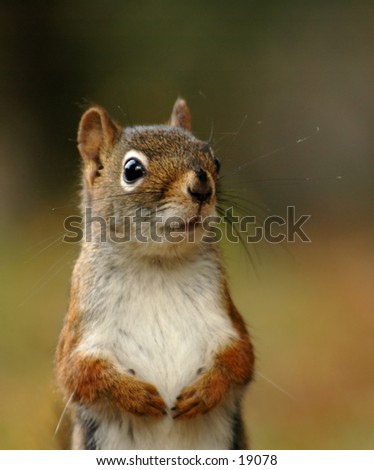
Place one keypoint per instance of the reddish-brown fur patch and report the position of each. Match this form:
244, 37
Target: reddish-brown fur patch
92, 380
70, 335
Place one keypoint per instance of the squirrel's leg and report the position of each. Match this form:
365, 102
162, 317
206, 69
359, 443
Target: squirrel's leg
233, 365
92, 380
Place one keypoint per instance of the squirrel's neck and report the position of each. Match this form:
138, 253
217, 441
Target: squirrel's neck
169, 256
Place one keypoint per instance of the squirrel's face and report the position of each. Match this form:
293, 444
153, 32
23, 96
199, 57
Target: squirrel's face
158, 182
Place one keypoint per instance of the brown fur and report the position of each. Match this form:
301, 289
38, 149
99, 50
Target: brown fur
92, 380
69, 337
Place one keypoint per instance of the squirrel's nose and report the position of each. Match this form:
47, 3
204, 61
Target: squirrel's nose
200, 190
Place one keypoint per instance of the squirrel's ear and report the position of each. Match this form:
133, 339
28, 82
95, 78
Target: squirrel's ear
181, 115
96, 135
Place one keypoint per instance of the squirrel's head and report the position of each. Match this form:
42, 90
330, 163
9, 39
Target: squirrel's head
157, 183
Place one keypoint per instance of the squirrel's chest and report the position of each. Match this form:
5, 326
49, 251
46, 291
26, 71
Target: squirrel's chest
164, 326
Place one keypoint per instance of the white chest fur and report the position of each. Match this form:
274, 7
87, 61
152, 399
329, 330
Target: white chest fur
166, 325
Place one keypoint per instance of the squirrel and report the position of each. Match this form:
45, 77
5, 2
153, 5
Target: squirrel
153, 353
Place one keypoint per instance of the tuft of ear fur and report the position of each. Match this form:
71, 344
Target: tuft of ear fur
96, 135
181, 115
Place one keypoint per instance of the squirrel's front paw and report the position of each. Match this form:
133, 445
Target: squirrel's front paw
141, 399
201, 396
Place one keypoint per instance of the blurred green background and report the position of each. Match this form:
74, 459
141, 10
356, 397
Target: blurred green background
262, 76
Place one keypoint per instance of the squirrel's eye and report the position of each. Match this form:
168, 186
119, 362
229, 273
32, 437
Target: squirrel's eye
133, 170
217, 163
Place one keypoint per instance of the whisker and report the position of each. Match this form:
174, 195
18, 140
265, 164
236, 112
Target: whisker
231, 222
238, 198
112, 197
303, 179
31, 248
63, 414
240, 127
45, 248
244, 204
278, 387
272, 152
48, 275
243, 211
211, 134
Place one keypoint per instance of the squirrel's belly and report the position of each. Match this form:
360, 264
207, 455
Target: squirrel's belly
170, 350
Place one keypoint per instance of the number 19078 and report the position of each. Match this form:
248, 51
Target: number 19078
257, 459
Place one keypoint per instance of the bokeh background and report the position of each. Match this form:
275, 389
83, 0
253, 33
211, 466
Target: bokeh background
260, 76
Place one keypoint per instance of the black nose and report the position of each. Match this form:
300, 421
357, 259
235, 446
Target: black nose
200, 190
